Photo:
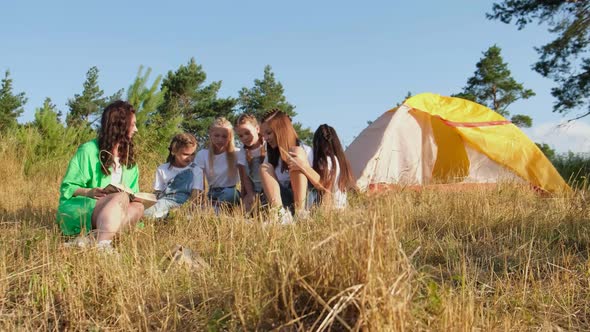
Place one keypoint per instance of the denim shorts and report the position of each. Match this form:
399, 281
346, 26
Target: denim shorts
224, 194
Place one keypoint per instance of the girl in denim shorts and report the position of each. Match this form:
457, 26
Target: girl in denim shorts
177, 180
219, 164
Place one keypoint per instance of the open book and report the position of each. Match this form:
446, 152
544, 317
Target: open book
147, 199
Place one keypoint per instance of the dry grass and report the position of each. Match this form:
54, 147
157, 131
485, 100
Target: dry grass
496, 260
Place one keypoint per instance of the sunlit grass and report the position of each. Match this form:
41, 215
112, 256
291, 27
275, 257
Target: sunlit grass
501, 259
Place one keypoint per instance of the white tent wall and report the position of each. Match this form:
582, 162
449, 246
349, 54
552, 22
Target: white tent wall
484, 170
400, 148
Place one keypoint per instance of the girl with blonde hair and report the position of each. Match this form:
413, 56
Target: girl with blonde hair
219, 163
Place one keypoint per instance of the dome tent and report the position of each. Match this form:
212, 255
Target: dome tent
431, 139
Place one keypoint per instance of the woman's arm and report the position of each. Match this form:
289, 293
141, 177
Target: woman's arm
297, 162
246, 183
78, 177
247, 193
90, 192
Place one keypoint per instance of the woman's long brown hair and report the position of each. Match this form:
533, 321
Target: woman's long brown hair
285, 135
326, 145
114, 129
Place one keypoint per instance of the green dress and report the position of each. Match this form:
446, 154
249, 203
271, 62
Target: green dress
74, 214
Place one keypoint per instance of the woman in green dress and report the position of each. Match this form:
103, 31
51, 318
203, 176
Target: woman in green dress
108, 159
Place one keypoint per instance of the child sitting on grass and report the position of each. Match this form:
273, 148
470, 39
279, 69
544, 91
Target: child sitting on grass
250, 157
177, 180
284, 188
219, 164
330, 173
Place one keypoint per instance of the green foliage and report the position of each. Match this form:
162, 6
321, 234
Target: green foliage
268, 94
547, 150
305, 134
154, 132
408, 96
492, 85
265, 95
564, 59
86, 108
11, 105
186, 96
573, 167
48, 140
467, 96
521, 120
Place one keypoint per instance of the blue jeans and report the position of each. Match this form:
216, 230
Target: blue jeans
224, 195
177, 192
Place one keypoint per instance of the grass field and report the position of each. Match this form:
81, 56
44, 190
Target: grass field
502, 259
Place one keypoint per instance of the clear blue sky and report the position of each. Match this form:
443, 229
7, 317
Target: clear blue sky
342, 64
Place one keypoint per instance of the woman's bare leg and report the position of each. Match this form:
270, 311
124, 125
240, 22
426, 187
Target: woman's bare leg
270, 185
114, 212
134, 213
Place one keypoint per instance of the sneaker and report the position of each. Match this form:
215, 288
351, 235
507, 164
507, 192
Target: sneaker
279, 216
105, 247
284, 216
301, 215
79, 241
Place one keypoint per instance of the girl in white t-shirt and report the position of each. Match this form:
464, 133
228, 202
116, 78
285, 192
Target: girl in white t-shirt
250, 157
177, 180
284, 188
330, 173
219, 163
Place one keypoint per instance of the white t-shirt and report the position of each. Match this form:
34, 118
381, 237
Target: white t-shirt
338, 196
242, 160
253, 168
165, 173
219, 176
116, 171
283, 176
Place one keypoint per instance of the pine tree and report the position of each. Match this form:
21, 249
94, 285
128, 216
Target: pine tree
547, 151
185, 95
49, 127
564, 59
11, 105
86, 108
154, 132
56, 140
492, 85
144, 99
268, 94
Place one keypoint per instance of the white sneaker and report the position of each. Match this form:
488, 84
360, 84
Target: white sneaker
280, 216
302, 215
105, 246
284, 216
80, 241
